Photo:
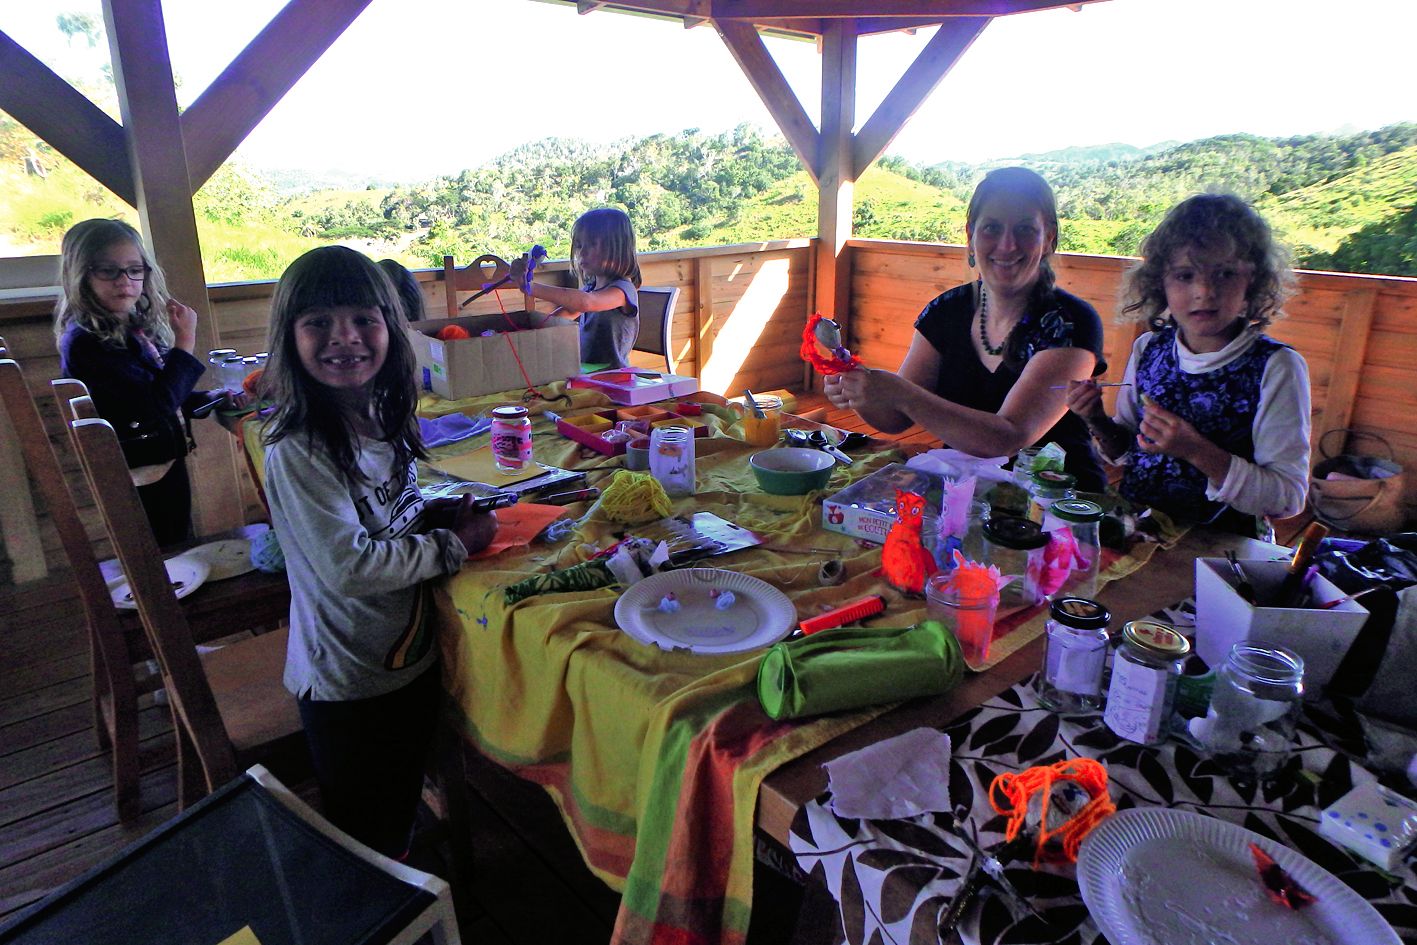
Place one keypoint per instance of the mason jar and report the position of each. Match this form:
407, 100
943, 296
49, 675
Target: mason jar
1253, 709
1074, 655
1145, 671
511, 437
1046, 487
1083, 519
1015, 546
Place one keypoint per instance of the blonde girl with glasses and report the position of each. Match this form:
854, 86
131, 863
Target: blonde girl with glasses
119, 332
1214, 427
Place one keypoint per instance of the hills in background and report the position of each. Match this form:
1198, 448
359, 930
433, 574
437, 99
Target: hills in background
1346, 201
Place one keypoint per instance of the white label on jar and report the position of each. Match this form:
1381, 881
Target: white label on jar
1136, 701
1075, 665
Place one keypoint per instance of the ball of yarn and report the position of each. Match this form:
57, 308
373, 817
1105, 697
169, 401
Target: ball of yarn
452, 333
633, 498
266, 553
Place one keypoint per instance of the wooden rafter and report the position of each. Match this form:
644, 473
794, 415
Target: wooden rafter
768, 81
930, 66
259, 77
65, 118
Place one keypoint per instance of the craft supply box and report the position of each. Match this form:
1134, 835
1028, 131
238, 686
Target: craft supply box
548, 348
1223, 618
866, 509
634, 386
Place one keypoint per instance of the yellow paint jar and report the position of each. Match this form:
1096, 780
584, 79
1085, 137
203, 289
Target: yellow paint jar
767, 429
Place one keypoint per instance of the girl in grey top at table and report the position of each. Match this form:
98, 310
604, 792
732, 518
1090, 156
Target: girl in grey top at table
607, 303
359, 539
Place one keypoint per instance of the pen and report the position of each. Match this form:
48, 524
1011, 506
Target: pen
566, 498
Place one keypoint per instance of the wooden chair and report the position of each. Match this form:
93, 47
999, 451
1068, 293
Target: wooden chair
657, 321
229, 706
472, 277
115, 695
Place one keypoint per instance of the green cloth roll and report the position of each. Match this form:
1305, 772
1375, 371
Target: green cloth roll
852, 667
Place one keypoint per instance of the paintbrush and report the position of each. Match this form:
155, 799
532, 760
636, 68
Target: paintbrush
1065, 386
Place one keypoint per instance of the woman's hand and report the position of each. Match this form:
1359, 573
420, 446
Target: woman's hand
184, 325
856, 390
1084, 398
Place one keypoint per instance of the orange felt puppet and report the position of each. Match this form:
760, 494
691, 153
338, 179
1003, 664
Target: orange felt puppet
904, 560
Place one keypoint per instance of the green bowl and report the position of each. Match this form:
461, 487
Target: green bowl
791, 470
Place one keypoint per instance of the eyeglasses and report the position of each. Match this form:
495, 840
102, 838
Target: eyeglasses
111, 273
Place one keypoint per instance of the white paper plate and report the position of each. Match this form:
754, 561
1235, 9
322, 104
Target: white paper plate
225, 558
1170, 877
760, 616
186, 574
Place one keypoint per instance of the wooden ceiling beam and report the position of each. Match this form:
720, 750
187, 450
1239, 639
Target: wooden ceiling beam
757, 11
925, 73
867, 26
63, 117
256, 80
753, 58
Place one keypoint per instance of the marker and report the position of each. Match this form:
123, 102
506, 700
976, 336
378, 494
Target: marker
847, 613
566, 498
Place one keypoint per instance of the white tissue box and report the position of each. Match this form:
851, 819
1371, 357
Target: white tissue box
1224, 618
1377, 824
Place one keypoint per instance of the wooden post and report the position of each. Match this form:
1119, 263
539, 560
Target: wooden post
703, 313
1350, 353
142, 72
836, 178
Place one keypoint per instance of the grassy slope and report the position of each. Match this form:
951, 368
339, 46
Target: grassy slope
1321, 215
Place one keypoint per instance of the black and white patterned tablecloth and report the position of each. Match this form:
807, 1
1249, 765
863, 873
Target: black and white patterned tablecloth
892, 880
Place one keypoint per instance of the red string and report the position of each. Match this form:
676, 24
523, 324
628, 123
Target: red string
531, 392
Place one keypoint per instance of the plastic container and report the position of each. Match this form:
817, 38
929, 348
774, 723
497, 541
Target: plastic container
767, 429
1074, 655
1015, 546
1253, 709
671, 460
970, 619
511, 437
1145, 671
1046, 487
1083, 518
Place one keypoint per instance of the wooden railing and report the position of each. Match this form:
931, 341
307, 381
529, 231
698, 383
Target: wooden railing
741, 310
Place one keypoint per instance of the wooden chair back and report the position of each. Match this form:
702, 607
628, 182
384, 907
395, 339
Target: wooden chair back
194, 708
114, 693
657, 321
483, 270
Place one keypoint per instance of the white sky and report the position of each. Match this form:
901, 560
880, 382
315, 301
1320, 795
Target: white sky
512, 71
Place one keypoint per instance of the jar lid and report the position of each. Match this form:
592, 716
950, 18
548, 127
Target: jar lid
1010, 531
1079, 612
1076, 510
1052, 479
1157, 637
509, 412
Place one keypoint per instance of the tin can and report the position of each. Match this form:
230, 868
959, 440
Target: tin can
1144, 675
1074, 655
511, 438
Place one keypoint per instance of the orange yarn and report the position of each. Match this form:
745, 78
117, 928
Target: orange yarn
452, 333
1017, 789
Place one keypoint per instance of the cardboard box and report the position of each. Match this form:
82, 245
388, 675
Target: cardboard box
634, 386
866, 509
1223, 618
548, 348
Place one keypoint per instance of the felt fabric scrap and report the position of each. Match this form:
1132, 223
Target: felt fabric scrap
897, 778
440, 431
517, 525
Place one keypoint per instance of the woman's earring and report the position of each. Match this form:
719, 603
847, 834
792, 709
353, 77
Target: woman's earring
971, 259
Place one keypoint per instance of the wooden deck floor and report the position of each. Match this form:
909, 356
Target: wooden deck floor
57, 817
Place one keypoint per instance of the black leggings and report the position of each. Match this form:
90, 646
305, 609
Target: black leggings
168, 503
369, 756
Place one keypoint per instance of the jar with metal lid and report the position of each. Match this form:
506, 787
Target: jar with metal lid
1253, 709
1047, 486
1145, 670
671, 460
1015, 546
1074, 655
232, 372
511, 437
1082, 518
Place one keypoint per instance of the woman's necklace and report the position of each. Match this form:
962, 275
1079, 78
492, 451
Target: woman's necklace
983, 319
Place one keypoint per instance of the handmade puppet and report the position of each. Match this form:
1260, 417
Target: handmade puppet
823, 331
904, 560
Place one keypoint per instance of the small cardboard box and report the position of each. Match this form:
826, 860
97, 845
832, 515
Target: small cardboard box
549, 349
632, 386
1223, 618
866, 508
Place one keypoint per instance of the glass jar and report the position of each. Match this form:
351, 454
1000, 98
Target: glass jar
970, 619
1253, 709
511, 437
217, 355
764, 430
1074, 655
233, 372
1015, 546
1046, 487
1023, 466
671, 459
1144, 675
1083, 519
